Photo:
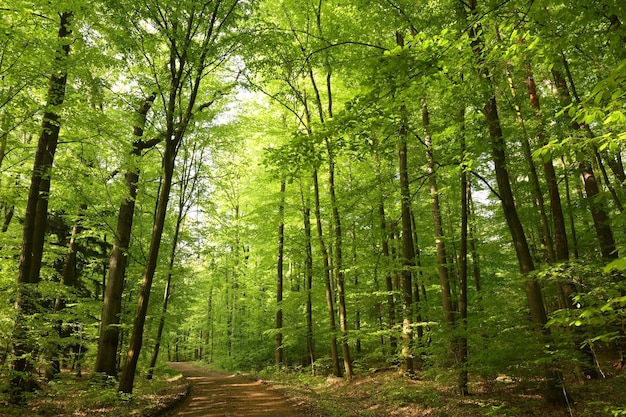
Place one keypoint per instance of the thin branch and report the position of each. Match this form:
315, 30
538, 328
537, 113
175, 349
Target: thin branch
484, 181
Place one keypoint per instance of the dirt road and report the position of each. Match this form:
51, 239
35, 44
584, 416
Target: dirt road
215, 394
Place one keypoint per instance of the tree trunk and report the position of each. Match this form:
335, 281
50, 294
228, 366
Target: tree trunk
598, 214
279, 277
462, 345
308, 272
408, 250
385, 237
136, 340
338, 266
35, 218
330, 296
187, 185
554, 391
544, 228
106, 359
444, 278
560, 232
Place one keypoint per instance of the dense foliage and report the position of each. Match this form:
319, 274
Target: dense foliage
338, 186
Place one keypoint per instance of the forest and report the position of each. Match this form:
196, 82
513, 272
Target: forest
328, 188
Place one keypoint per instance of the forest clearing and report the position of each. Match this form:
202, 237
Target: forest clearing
382, 207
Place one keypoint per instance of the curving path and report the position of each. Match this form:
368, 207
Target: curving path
215, 394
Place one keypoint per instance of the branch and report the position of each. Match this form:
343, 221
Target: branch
477, 175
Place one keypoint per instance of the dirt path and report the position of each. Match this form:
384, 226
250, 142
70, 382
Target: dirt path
217, 394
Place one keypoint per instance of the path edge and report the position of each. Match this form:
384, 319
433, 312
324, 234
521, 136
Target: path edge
162, 409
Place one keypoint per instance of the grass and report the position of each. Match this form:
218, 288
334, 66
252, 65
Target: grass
69, 395
388, 393
385, 393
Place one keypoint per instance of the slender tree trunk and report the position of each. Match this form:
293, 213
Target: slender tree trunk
279, 277
187, 186
560, 232
338, 268
408, 250
385, 237
554, 391
418, 300
444, 278
330, 296
136, 340
598, 214
338, 255
462, 339
544, 229
308, 272
69, 278
106, 359
36, 215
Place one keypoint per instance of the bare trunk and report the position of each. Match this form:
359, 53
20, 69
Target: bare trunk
35, 218
279, 277
462, 347
544, 229
554, 391
408, 250
308, 272
598, 213
106, 359
136, 340
330, 296
444, 278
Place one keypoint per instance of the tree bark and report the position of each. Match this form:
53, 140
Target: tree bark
554, 391
280, 277
35, 218
106, 358
462, 346
330, 296
408, 250
444, 278
308, 272
599, 216
560, 231
136, 339
544, 229
187, 185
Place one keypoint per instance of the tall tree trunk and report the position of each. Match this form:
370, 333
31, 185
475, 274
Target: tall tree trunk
385, 237
279, 277
35, 218
560, 232
136, 340
544, 229
444, 278
69, 278
330, 296
308, 272
554, 390
106, 358
598, 214
462, 348
188, 184
418, 300
408, 250
338, 267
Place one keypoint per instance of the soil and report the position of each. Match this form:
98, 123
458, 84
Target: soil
219, 394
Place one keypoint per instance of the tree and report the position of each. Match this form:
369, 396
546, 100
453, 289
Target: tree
106, 359
188, 66
35, 219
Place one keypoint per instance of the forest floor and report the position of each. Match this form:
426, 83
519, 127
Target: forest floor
383, 393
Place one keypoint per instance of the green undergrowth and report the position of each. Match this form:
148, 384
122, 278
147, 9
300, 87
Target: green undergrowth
69, 395
389, 393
